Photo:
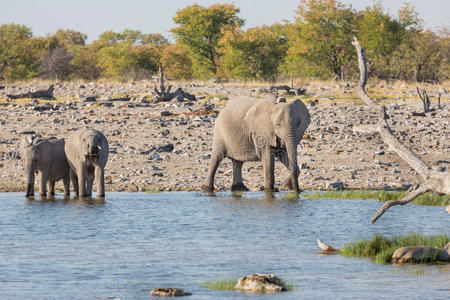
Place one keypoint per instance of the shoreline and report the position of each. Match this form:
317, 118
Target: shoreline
166, 146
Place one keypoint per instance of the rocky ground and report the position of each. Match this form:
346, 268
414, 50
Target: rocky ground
166, 146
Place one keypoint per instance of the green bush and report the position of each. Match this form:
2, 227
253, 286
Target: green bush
380, 249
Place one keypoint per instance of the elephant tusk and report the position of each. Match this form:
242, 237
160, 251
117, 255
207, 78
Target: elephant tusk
99, 147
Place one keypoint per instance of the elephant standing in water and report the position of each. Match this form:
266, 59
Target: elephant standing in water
250, 130
87, 153
46, 158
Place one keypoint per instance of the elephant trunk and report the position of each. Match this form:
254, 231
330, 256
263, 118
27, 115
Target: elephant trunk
30, 181
291, 149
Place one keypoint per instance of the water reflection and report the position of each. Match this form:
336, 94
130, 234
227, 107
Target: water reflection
83, 248
66, 200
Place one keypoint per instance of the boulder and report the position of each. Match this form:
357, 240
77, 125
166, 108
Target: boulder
337, 186
419, 254
260, 283
169, 292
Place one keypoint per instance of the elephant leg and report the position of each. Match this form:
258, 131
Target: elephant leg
43, 177
51, 188
268, 160
66, 181
74, 179
238, 184
100, 180
82, 180
216, 158
89, 182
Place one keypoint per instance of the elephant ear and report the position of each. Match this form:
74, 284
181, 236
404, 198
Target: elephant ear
302, 114
260, 127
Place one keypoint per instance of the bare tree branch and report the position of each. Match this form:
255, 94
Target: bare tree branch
164, 94
410, 196
438, 182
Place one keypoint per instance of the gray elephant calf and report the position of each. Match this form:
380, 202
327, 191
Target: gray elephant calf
87, 153
46, 158
249, 130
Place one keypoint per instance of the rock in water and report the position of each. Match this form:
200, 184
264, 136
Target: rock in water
260, 283
169, 292
447, 208
418, 254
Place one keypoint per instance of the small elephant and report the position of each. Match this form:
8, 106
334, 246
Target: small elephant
249, 129
87, 153
46, 158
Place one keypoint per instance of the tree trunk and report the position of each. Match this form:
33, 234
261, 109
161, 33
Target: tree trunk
438, 182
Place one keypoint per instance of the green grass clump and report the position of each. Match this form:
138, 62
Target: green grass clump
380, 249
429, 198
291, 195
391, 195
348, 194
221, 284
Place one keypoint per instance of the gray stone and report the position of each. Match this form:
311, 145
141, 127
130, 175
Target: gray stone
337, 186
418, 254
257, 283
156, 156
169, 292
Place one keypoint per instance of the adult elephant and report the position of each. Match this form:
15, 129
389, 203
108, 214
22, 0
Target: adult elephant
248, 129
87, 153
46, 158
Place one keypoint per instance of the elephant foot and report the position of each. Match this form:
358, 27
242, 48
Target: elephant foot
239, 187
100, 195
269, 189
207, 189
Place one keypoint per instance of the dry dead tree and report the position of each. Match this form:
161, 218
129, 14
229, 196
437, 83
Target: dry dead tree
432, 180
40, 94
164, 94
426, 103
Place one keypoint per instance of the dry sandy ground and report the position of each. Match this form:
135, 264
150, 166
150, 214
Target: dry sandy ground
140, 133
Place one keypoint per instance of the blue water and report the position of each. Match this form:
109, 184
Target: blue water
67, 249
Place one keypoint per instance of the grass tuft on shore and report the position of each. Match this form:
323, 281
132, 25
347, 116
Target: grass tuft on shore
429, 198
380, 249
290, 195
221, 285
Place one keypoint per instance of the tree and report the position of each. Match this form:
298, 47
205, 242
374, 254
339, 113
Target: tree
115, 60
200, 29
176, 61
419, 58
252, 54
19, 52
323, 40
84, 64
135, 37
55, 64
381, 35
70, 37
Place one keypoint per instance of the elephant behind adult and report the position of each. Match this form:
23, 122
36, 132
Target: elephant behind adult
46, 158
249, 129
87, 153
